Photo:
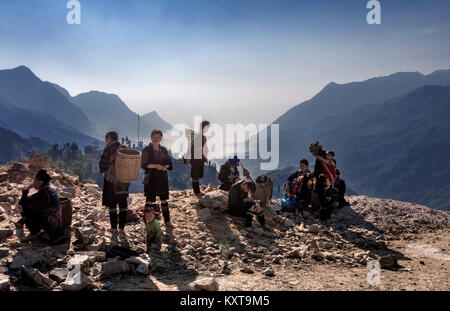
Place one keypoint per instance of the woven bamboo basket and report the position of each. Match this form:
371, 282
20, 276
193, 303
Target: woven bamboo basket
127, 165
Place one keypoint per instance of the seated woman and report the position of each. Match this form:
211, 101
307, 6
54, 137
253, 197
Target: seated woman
42, 210
242, 205
229, 173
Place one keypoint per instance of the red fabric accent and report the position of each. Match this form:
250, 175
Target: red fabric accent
330, 170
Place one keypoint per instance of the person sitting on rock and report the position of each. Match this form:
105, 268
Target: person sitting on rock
42, 210
229, 173
156, 161
153, 237
339, 190
242, 205
114, 192
298, 185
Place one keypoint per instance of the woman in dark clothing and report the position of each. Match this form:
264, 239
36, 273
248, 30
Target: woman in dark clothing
197, 164
114, 192
42, 210
229, 173
156, 161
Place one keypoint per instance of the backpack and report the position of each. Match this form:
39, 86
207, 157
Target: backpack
264, 190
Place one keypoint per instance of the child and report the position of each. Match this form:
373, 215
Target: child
330, 156
152, 227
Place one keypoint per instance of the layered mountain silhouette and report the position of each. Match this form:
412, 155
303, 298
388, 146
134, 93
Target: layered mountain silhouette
32, 107
23, 89
108, 112
33, 123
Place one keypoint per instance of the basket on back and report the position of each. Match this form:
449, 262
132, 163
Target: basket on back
127, 165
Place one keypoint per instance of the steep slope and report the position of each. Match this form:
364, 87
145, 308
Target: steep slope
398, 149
155, 121
338, 99
23, 89
14, 147
109, 112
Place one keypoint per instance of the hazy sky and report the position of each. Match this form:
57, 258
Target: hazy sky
228, 60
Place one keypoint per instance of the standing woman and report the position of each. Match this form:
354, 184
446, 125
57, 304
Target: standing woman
197, 164
156, 161
114, 192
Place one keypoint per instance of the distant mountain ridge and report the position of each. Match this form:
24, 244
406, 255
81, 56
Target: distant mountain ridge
32, 123
153, 119
108, 112
23, 89
370, 122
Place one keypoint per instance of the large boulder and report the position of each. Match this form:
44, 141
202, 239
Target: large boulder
204, 214
26, 257
219, 195
208, 202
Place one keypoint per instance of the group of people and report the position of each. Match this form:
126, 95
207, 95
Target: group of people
42, 211
322, 190
156, 161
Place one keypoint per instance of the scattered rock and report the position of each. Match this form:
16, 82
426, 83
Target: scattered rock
26, 257
80, 262
114, 266
204, 214
388, 261
207, 284
84, 234
5, 284
269, 272
75, 282
142, 264
37, 277
59, 274
5, 233
4, 252
247, 269
6, 206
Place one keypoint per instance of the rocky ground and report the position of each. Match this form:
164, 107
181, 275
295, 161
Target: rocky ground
208, 249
